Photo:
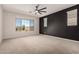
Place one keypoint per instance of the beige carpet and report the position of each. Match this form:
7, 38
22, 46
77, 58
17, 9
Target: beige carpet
39, 44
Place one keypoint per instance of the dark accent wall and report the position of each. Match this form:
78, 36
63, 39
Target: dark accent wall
57, 25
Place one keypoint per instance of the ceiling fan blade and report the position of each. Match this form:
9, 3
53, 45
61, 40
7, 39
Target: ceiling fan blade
43, 11
42, 8
37, 7
39, 12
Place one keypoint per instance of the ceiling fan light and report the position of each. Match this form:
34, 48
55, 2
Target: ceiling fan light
36, 11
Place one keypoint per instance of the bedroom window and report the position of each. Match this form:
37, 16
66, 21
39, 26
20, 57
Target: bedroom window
45, 22
24, 24
72, 18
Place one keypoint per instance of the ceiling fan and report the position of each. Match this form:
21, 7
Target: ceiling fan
39, 11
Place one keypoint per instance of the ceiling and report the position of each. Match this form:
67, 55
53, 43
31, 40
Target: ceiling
29, 8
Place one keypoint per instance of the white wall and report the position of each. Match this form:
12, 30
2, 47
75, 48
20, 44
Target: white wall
0, 23
9, 25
